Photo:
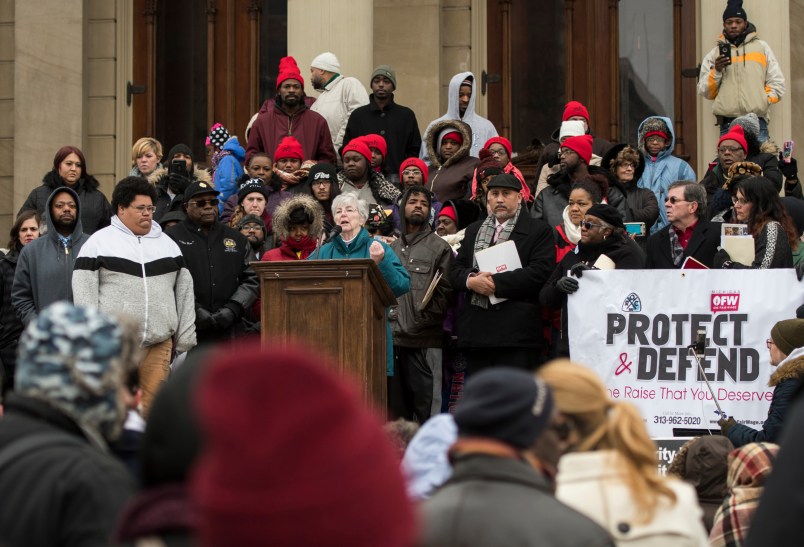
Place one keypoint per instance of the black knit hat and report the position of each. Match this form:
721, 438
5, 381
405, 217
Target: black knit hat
251, 186
788, 335
607, 214
734, 8
321, 170
506, 404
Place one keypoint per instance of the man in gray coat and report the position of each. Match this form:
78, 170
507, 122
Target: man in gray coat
500, 492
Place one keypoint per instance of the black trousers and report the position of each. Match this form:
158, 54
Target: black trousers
415, 390
478, 359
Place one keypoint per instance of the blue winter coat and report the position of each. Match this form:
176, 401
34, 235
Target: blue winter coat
662, 171
392, 270
229, 169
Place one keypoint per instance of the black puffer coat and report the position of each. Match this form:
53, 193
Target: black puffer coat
96, 212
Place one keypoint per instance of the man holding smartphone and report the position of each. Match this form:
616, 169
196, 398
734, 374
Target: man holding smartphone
741, 73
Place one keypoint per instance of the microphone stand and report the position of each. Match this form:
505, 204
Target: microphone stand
691, 351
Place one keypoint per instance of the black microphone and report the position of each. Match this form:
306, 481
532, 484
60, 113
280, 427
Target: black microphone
332, 233
700, 342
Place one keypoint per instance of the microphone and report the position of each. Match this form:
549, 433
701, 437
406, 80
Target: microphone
700, 343
332, 233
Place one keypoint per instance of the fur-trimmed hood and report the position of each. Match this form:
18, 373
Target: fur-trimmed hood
281, 217
792, 368
656, 123
434, 142
160, 175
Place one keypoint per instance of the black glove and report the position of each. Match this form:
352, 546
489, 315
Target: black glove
567, 284
789, 170
720, 258
224, 318
577, 269
726, 424
177, 183
203, 319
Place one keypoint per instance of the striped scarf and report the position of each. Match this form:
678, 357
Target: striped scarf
485, 236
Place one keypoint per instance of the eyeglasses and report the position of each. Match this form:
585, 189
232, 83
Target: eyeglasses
498, 152
321, 183
205, 202
143, 209
738, 201
411, 172
769, 343
251, 228
673, 200
724, 149
589, 225
565, 151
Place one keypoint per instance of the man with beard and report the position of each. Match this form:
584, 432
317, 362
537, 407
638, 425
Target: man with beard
288, 115
218, 259
253, 228
417, 326
748, 79
358, 177
498, 334
45, 267
382, 116
340, 95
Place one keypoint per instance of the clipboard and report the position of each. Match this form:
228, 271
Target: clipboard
497, 259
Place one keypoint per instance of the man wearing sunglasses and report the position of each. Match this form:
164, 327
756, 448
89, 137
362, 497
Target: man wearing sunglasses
134, 268
218, 259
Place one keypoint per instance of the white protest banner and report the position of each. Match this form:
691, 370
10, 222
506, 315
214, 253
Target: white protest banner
634, 326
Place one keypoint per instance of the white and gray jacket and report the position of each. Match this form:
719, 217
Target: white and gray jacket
143, 277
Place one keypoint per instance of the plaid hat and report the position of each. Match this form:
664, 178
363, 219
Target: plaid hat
788, 335
199, 187
324, 474
289, 147
249, 187
387, 71
507, 404
608, 214
218, 135
76, 359
574, 108
288, 70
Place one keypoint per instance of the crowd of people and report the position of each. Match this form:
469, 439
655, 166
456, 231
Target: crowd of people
136, 406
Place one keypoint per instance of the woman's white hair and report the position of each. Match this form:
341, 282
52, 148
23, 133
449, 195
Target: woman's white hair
350, 198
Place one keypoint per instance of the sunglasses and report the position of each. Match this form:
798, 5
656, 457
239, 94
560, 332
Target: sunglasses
204, 202
588, 225
673, 200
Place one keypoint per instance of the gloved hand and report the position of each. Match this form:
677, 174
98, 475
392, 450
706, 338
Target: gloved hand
567, 284
224, 318
578, 269
177, 183
789, 170
203, 319
720, 258
726, 424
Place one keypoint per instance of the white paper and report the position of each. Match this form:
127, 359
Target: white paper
497, 259
604, 263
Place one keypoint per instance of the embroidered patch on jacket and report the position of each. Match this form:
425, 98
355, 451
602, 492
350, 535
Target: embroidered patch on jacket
229, 245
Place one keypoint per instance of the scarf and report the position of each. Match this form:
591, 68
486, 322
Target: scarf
572, 232
305, 246
676, 250
216, 158
485, 235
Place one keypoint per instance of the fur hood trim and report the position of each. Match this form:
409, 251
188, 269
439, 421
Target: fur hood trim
281, 217
432, 142
199, 174
789, 370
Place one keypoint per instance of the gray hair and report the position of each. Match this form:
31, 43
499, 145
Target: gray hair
694, 193
350, 198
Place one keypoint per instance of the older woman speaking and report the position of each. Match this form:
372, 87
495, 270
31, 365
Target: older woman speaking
350, 213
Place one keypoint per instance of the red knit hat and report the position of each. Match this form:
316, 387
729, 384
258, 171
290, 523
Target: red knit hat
582, 145
662, 134
358, 145
449, 212
289, 148
292, 457
502, 141
574, 108
414, 162
288, 70
736, 133
453, 136
376, 141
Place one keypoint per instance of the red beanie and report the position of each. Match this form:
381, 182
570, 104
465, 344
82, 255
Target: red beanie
574, 108
376, 141
288, 70
736, 133
662, 134
292, 456
449, 212
414, 162
358, 145
289, 148
453, 136
502, 141
582, 145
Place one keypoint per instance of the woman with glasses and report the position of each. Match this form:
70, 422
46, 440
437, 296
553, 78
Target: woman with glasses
757, 204
627, 165
602, 233
609, 471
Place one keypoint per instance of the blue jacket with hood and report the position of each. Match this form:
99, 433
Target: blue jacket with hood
663, 170
45, 267
229, 169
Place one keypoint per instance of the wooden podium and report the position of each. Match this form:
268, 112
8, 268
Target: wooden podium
337, 307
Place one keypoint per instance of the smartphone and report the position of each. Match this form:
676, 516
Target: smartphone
725, 50
787, 151
635, 228
178, 167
